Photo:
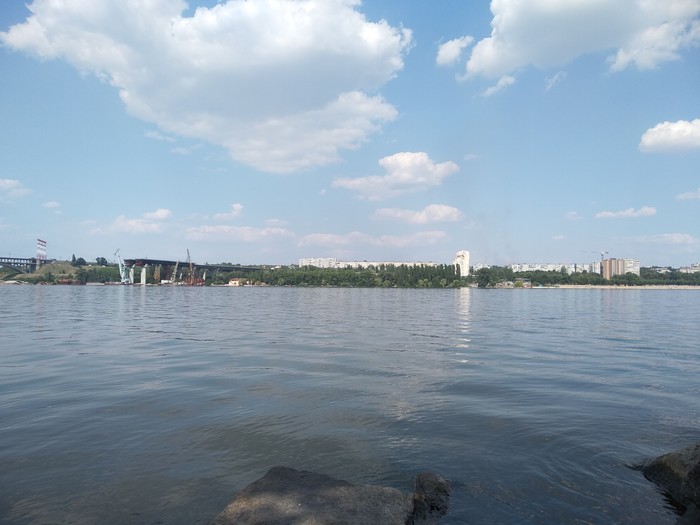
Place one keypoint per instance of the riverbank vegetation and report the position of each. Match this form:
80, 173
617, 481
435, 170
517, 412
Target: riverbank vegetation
65, 272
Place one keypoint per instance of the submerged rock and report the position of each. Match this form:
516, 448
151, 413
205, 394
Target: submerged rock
292, 497
678, 473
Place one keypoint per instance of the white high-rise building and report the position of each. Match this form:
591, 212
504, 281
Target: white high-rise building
462, 262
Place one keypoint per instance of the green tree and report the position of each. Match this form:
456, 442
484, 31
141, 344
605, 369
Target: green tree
484, 277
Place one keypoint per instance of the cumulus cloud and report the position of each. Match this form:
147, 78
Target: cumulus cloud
550, 33
13, 188
429, 214
629, 213
282, 85
150, 222
572, 216
672, 136
405, 172
502, 83
236, 233
689, 195
332, 240
451, 51
236, 211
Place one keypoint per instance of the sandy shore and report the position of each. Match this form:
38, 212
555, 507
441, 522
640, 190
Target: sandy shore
613, 287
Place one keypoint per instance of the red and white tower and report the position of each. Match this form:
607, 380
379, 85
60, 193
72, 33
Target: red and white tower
40, 252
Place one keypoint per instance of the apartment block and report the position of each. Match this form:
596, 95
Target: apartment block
461, 261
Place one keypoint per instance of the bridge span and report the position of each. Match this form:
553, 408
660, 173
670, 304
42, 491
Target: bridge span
21, 264
185, 264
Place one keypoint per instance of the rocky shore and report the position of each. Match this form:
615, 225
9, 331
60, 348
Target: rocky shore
285, 496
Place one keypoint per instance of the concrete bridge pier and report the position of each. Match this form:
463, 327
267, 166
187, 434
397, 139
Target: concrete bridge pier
143, 275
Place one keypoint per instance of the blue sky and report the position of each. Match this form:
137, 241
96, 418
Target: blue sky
261, 131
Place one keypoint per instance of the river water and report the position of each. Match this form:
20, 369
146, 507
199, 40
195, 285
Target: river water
142, 405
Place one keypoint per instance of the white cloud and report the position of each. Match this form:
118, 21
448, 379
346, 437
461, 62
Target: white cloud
502, 83
670, 238
572, 216
123, 224
185, 150
429, 214
405, 172
331, 240
159, 215
451, 51
236, 233
555, 79
282, 85
152, 222
13, 188
158, 136
672, 136
550, 33
689, 195
629, 213
53, 205
236, 211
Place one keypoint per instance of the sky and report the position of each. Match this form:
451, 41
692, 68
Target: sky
263, 131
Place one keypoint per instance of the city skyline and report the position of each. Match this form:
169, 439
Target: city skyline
265, 132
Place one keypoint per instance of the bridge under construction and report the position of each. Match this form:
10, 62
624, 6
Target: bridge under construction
173, 272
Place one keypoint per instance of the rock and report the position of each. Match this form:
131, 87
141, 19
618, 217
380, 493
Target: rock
285, 496
432, 498
678, 473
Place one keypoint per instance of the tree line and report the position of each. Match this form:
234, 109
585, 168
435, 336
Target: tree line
383, 276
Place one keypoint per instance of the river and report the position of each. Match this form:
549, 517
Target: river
143, 405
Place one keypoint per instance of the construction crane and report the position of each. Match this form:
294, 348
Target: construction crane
193, 280
602, 254
189, 261
123, 270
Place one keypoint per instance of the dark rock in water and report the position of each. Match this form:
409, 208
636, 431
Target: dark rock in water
432, 498
678, 473
285, 496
